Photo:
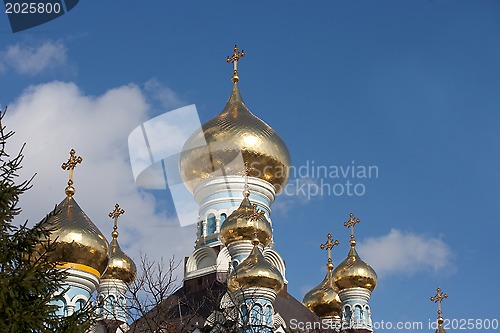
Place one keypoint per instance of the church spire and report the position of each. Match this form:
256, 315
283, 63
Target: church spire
323, 300
234, 59
120, 273
355, 280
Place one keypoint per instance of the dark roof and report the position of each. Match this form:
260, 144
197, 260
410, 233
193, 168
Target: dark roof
198, 298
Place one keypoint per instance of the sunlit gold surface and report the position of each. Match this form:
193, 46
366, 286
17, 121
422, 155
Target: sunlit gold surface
354, 272
77, 239
244, 223
255, 271
323, 299
235, 130
121, 266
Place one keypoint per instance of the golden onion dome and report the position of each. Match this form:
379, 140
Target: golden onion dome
78, 242
120, 266
246, 223
213, 149
354, 272
255, 271
323, 300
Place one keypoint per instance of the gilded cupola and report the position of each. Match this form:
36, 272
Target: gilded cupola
323, 300
246, 222
353, 272
78, 242
120, 267
234, 136
255, 271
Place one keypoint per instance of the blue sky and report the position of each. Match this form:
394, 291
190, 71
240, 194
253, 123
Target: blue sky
411, 87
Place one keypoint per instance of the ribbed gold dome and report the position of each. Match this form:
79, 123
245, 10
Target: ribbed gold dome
233, 131
255, 271
120, 266
79, 244
354, 272
323, 300
244, 223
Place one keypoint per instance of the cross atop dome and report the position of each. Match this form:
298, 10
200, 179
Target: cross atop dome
248, 169
115, 214
328, 245
351, 223
438, 298
70, 166
234, 59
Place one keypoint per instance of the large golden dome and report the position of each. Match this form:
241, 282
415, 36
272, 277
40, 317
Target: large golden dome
213, 149
120, 266
255, 271
246, 223
354, 272
78, 242
323, 299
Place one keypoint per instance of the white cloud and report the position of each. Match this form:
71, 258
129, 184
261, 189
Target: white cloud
405, 253
32, 60
167, 98
52, 118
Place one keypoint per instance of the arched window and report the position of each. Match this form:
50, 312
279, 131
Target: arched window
110, 304
223, 217
244, 315
256, 315
80, 304
268, 316
210, 224
357, 313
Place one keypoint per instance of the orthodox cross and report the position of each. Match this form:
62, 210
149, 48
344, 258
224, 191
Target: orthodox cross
246, 171
115, 215
328, 246
438, 298
256, 213
234, 59
351, 223
70, 166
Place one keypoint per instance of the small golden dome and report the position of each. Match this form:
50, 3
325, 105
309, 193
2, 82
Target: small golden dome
120, 266
212, 150
246, 222
323, 300
354, 272
255, 271
78, 242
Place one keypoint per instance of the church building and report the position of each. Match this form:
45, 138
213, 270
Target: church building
234, 280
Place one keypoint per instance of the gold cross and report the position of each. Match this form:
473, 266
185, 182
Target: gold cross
256, 213
70, 166
351, 223
247, 170
329, 246
438, 298
115, 215
234, 59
